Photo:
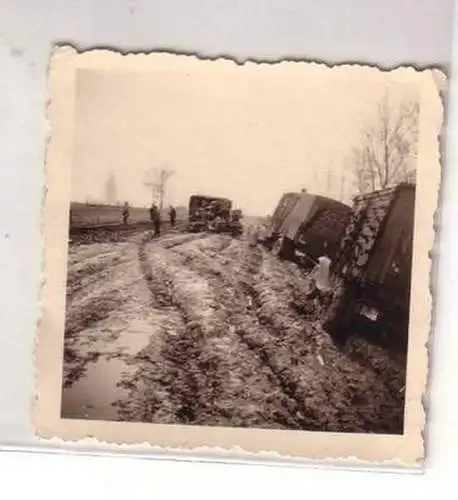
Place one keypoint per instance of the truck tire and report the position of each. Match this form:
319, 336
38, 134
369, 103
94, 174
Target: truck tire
338, 316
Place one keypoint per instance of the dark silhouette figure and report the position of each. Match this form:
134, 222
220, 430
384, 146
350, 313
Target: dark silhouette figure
173, 216
157, 224
153, 212
155, 219
125, 213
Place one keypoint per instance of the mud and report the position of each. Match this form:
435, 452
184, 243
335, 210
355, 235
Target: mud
203, 329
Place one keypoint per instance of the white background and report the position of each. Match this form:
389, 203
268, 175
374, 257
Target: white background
387, 33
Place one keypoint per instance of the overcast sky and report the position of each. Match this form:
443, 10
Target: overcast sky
249, 133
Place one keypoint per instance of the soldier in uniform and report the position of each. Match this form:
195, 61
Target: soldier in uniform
125, 213
173, 215
155, 219
157, 224
152, 212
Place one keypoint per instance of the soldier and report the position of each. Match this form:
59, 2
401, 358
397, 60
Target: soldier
125, 213
155, 219
252, 235
173, 215
157, 223
152, 212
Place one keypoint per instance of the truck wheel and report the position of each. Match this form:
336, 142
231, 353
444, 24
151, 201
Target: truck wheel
338, 315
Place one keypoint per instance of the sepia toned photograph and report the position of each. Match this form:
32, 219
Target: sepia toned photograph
238, 247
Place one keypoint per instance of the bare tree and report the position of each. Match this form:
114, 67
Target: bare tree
111, 190
388, 149
342, 187
156, 180
329, 180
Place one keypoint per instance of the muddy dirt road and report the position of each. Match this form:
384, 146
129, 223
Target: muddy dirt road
202, 329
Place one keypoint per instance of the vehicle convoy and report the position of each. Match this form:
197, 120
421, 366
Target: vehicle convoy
305, 227
214, 215
372, 269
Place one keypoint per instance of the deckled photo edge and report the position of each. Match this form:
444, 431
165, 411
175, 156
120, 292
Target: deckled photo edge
319, 445
42, 340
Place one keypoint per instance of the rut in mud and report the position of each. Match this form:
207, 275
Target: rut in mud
223, 340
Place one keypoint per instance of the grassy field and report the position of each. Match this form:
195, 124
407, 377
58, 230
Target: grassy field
86, 214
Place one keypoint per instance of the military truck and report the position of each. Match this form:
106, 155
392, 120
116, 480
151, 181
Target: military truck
235, 224
286, 204
372, 270
213, 214
305, 227
203, 210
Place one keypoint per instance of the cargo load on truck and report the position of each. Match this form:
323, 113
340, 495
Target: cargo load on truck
372, 269
305, 227
203, 210
213, 214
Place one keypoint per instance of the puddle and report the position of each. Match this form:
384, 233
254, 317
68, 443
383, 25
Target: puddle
94, 394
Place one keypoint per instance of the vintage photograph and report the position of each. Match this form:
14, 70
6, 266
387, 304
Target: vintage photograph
237, 242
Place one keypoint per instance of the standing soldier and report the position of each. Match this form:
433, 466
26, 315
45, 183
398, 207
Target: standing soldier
152, 212
157, 223
253, 235
173, 215
155, 219
125, 213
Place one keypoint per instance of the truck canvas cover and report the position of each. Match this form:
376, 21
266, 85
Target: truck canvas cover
284, 207
302, 211
321, 232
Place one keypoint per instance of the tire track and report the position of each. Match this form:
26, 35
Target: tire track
238, 293
179, 367
225, 344
83, 275
361, 402
205, 385
291, 346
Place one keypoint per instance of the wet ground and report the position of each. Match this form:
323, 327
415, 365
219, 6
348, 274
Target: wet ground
204, 329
